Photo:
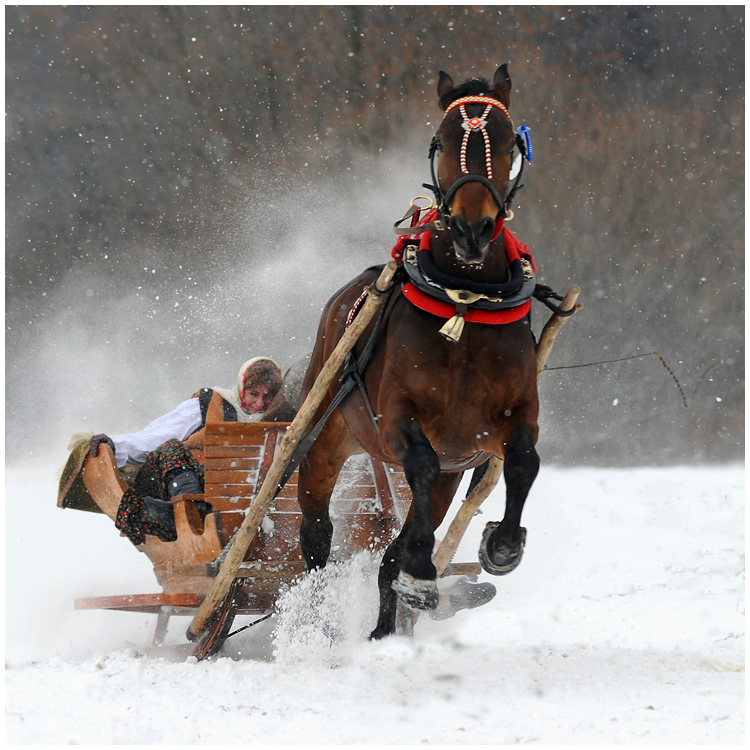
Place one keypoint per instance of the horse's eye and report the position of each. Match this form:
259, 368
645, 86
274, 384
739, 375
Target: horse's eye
515, 167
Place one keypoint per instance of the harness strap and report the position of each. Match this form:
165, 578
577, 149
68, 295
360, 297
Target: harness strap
351, 378
416, 227
544, 293
354, 369
461, 181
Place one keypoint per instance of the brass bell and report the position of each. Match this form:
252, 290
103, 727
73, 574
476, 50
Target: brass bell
453, 329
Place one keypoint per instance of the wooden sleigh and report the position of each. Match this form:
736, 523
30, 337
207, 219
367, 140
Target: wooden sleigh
238, 559
368, 509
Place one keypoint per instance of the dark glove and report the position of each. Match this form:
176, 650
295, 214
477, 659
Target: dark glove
97, 440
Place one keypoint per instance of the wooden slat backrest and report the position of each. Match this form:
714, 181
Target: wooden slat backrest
237, 456
367, 507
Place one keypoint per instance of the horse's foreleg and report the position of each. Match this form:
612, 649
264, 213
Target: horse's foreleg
394, 557
502, 542
407, 570
387, 574
422, 471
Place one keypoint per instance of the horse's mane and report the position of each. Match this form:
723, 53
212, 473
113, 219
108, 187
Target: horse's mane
471, 87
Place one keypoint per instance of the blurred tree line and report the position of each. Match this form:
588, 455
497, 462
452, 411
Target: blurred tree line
146, 127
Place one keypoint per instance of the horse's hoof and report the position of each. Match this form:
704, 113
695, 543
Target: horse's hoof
464, 595
503, 559
380, 633
416, 592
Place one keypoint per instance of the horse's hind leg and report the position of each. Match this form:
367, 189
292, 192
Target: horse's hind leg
502, 542
396, 554
317, 478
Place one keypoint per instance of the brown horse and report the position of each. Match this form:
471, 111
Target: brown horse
440, 407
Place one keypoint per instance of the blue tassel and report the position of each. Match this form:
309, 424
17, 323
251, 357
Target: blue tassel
523, 131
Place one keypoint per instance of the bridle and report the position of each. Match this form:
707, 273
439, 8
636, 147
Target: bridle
474, 125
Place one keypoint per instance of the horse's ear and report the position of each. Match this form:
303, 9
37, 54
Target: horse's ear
501, 85
445, 84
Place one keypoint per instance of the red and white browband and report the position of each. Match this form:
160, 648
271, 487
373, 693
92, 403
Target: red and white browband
477, 100
472, 124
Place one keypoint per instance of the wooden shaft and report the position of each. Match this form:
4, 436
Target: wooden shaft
463, 569
252, 569
265, 496
444, 553
553, 326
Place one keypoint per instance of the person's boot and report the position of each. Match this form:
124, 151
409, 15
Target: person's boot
187, 482
204, 508
162, 512
184, 483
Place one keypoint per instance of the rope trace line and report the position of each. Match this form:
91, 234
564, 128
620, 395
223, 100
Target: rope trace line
664, 364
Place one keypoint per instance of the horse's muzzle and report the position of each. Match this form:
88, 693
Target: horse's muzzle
471, 239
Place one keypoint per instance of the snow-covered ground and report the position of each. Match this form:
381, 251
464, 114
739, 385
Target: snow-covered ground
623, 625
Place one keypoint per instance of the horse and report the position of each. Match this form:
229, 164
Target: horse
435, 406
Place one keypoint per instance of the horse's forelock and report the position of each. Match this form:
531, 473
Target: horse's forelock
472, 87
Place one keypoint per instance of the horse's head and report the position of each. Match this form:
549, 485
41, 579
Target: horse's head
475, 144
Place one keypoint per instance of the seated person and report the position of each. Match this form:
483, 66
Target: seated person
171, 448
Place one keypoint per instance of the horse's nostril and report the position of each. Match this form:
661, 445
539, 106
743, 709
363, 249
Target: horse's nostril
458, 226
484, 230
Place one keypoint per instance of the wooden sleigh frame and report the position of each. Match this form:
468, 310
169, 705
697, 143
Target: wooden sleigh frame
237, 560
368, 509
